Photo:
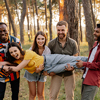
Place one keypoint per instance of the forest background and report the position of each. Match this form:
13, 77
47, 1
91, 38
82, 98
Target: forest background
26, 17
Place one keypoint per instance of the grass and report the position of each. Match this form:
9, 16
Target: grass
24, 93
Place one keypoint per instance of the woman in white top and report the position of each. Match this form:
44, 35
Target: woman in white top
36, 81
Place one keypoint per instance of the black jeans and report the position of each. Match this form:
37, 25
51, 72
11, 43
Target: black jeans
14, 89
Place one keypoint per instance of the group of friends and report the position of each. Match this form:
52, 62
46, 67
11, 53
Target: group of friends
58, 60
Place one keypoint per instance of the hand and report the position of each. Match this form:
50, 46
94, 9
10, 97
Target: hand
6, 68
10, 70
79, 63
52, 74
41, 67
45, 73
69, 68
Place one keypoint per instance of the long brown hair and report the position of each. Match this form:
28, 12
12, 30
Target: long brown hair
35, 46
13, 44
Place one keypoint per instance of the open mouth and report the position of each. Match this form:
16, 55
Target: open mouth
16, 56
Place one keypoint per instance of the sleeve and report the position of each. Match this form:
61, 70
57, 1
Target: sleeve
50, 46
28, 55
46, 51
18, 41
30, 48
92, 66
75, 48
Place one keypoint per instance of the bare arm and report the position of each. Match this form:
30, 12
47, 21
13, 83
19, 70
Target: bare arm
4, 63
17, 68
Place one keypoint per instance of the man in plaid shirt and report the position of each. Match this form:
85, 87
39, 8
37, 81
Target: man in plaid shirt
13, 78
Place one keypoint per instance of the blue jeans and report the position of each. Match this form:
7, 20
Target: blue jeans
56, 62
14, 89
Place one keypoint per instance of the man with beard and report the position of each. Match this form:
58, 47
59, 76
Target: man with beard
63, 45
5, 77
91, 76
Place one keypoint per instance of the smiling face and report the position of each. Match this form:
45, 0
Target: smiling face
3, 33
40, 40
15, 52
61, 31
97, 34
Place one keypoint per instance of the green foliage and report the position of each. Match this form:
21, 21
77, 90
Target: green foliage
80, 1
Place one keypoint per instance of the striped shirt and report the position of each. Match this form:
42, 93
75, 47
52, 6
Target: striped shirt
4, 76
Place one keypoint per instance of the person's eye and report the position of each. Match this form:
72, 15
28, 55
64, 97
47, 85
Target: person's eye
10, 52
38, 38
43, 39
4, 30
15, 50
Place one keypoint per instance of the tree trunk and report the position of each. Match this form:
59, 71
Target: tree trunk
81, 36
22, 21
16, 9
89, 22
61, 10
72, 15
37, 15
46, 14
33, 17
93, 16
46, 18
50, 23
28, 27
11, 19
9, 26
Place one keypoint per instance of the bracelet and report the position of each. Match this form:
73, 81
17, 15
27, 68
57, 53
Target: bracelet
2, 67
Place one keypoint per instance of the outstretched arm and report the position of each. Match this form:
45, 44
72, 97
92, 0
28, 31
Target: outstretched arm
4, 63
16, 68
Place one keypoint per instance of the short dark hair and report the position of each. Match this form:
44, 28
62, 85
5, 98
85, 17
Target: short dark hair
13, 44
1, 23
60, 23
98, 25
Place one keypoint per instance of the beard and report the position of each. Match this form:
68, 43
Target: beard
61, 36
4, 39
98, 39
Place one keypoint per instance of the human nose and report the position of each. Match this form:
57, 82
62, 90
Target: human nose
94, 33
13, 54
41, 40
60, 31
